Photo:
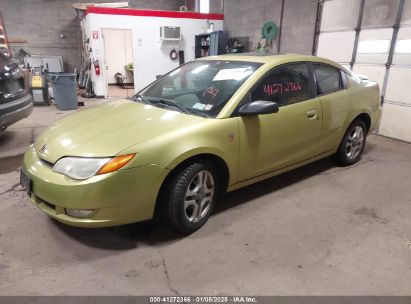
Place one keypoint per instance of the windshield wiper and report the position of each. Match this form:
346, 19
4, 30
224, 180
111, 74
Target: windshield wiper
168, 102
171, 104
200, 113
139, 97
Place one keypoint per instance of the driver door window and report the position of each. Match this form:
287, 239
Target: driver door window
286, 85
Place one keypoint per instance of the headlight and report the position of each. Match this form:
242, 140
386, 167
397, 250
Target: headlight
79, 167
83, 168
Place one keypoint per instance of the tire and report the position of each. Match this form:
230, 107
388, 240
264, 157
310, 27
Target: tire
190, 197
353, 143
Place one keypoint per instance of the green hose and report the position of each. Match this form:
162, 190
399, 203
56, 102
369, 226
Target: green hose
269, 30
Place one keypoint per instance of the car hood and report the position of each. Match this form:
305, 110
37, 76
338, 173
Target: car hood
108, 129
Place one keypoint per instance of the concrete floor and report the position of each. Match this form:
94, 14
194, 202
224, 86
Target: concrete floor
118, 91
319, 230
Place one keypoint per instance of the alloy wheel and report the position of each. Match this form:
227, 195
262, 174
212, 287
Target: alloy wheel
355, 142
199, 196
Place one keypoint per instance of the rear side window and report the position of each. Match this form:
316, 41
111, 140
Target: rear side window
328, 79
286, 85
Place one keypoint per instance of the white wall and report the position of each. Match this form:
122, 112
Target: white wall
150, 58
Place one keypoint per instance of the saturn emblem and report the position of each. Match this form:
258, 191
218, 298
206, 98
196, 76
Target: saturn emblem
43, 149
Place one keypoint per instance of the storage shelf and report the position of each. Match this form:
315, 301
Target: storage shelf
216, 44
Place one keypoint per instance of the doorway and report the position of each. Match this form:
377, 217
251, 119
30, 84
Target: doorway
118, 51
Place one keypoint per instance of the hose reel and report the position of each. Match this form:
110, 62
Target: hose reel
269, 30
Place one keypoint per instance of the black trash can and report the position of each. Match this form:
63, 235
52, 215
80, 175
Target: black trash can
64, 90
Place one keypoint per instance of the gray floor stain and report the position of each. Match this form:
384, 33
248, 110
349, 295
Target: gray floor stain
371, 213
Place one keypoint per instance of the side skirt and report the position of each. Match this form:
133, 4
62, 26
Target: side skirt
279, 171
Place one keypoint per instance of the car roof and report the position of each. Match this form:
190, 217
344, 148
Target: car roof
271, 58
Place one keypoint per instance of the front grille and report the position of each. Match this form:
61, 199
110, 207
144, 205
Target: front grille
51, 206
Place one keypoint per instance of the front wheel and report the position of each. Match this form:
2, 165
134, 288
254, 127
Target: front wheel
191, 196
352, 144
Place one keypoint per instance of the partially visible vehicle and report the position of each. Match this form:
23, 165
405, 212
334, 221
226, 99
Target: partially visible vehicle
16, 102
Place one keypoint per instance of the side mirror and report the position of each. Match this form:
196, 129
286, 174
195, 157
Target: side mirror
259, 107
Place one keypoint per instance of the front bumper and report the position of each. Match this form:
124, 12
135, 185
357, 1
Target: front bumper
117, 198
13, 111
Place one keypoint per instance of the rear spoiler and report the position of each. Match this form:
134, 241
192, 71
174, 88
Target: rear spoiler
362, 77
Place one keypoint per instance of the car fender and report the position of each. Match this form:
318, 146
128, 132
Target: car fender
352, 115
218, 137
194, 152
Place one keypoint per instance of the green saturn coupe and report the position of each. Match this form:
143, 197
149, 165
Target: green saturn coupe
208, 127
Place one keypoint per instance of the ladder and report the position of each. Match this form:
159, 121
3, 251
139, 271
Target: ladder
4, 44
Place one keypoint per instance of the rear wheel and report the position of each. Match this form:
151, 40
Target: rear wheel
352, 144
191, 196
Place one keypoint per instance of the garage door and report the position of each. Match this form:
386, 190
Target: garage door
337, 33
337, 39
396, 119
372, 53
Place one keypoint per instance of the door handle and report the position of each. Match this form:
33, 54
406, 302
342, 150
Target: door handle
312, 114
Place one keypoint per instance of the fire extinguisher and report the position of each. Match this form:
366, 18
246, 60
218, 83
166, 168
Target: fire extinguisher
96, 67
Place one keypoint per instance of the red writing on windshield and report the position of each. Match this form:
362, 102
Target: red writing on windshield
211, 91
281, 88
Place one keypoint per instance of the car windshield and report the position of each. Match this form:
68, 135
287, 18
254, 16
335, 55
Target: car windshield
199, 87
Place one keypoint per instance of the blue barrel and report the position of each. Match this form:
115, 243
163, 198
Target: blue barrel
64, 90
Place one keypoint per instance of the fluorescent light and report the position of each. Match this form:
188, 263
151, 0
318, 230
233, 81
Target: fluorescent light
403, 46
204, 6
373, 46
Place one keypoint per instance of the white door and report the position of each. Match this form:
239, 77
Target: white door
118, 51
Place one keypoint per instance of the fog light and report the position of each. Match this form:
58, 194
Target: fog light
79, 212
